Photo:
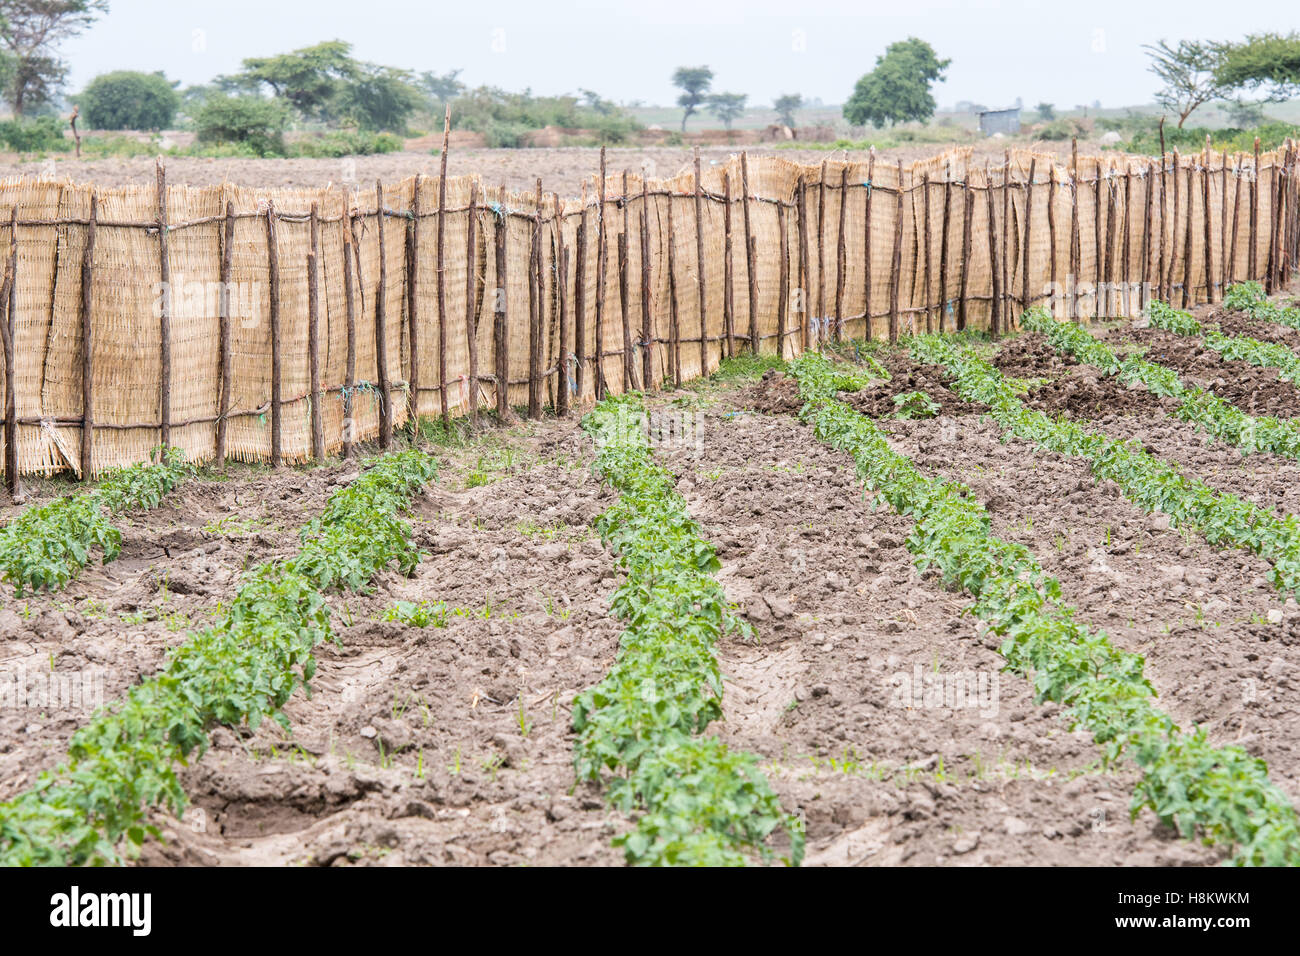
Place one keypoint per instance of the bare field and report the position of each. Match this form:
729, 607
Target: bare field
561, 169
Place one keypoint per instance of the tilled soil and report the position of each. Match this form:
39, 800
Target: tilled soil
440, 745
1257, 390
1073, 389
844, 620
1199, 615
87, 644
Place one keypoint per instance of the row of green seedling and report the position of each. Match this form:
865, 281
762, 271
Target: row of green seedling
1223, 519
1231, 347
1221, 794
1249, 297
1203, 409
47, 545
239, 671
639, 731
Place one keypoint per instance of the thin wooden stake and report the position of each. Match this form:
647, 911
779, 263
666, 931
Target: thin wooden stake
1161, 291
1149, 193
1173, 230
866, 241
381, 330
444, 400
945, 219
602, 257
1051, 235
501, 313
783, 297
1075, 239
580, 305
1210, 292
801, 213
728, 270
821, 256
536, 287
647, 326
993, 247
413, 298
1187, 244
629, 357
967, 214
88, 341
1025, 301
674, 330
925, 261
313, 340
751, 255
471, 299
561, 303
273, 280
223, 331
9, 331
1004, 303
1230, 263
350, 317
165, 319
897, 260
1127, 239
841, 255
1252, 270
700, 282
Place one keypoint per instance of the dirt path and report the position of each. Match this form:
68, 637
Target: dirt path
413, 750
843, 617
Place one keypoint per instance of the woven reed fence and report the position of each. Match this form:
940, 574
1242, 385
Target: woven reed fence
281, 325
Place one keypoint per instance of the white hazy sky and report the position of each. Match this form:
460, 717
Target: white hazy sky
1062, 52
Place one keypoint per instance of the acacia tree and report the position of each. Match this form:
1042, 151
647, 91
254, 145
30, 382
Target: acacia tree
1261, 60
1188, 72
727, 106
694, 82
30, 33
785, 106
1046, 111
308, 78
898, 89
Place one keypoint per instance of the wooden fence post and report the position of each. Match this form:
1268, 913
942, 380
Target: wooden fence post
350, 317
841, 254
88, 341
313, 340
273, 302
471, 299
897, 259
866, 242
629, 358
995, 272
1025, 301
647, 321
536, 285
602, 257
223, 331
700, 278
674, 329
8, 331
728, 270
805, 296
443, 398
580, 304
381, 332
500, 309
165, 319
750, 256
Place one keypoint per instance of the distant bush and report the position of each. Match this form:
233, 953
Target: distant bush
248, 122
117, 145
1059, 129
126, 99
44, 134
1192, 139
506, 119
345, 143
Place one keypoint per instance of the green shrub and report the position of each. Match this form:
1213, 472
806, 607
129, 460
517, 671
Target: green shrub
44, 134
126, 99
245, 121
345, 143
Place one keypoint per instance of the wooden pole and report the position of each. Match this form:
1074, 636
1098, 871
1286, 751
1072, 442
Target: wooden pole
801, 212
674, 330
1004, 303
602, 256
535, 291
413, 298
471, 299
1051, 234
381, 330
165, 320
897, 260
783, 297
9, 331
647, 322
1127, 239
629, 358
313, 340
728, 271
1230, 262
443, 398
841, 255
821, 257
1223, 223
350, 317
273, 280
1274, 225
1025, 300
993, 257
1149, 187
562, 395
580, 304
1252, 270
1099, 267
500, 308
1173, 230
751, 255
1161, 291
967, 214
700, 276
944, 301
1187, 244
223, 331
925, 261
1210, 295
866, 242
1075, 244
88, 341
1112, 191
